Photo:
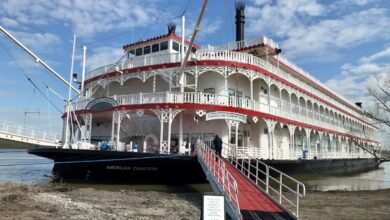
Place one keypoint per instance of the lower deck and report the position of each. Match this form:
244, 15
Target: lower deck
170, 130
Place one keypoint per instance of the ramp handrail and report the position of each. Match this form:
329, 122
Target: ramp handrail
224, 179
29, 132
267, 178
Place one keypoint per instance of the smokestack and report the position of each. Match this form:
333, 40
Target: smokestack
240, 20
171, 28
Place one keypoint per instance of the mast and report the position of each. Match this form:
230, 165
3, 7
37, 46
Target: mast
37, 59
67, 136
83, 70
196, 30
182, 55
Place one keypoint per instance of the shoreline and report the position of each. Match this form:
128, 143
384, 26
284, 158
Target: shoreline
58, 201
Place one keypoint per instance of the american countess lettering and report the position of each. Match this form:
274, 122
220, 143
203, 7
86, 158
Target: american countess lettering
225, 115
131, 168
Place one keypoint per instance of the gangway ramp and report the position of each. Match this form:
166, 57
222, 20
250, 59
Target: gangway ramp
240, 185
26, 136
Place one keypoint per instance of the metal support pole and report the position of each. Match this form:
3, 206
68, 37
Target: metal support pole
83, 70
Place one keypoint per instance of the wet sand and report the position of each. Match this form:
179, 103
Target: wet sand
59, 202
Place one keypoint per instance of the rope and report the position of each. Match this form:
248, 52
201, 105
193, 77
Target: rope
28, 78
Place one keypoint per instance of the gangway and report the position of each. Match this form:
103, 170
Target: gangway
10, 131
250, 187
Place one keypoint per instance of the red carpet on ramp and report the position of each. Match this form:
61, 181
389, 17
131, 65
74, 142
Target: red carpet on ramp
254, 203
249, 196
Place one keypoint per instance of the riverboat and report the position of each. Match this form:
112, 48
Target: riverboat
142, 118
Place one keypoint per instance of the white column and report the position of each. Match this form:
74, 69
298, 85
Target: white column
280, 101
118, 127
169, 130
229, 131
154, 83
86, 131
226, 86
196, 78
237, 124
251, 80
170, 81
113, 126
64, 127
269, 99
181, 147
292, 146
161, 130
320, 142
308, 147
271, 143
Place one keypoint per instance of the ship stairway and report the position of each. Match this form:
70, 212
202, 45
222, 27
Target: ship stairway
13, 133
252, 189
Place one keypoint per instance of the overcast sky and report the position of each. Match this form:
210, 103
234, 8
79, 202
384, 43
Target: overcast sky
343, 43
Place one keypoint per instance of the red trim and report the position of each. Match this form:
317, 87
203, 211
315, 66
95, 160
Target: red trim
171, 36
225, 63
222, 108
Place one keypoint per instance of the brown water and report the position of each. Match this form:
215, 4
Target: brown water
20, 167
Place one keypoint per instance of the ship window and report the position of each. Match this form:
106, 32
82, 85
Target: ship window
164, 45
209, 90
147, 50
232, 92
138, 52
155, 48
131, 54
175, 46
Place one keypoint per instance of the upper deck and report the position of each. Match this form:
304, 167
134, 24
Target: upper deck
258, 52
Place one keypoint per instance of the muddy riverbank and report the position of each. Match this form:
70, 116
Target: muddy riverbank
60, 202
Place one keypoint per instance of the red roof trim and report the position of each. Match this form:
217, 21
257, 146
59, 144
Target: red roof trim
171, 36
228, 109
224, 63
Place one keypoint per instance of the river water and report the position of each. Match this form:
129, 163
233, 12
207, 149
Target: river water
20, 167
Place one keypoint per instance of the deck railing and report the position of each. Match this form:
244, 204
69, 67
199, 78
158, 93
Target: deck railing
136, 62
27, 132
226, 183
283, 188
215, 99
236, 45
225, 55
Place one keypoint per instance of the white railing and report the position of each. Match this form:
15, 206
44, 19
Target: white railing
226, 55
136, 62
309, 76
253, 151
236, 45
281, 187
27, 132
213, 99
226, 182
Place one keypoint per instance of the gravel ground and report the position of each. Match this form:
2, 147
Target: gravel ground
38, 202
59, 202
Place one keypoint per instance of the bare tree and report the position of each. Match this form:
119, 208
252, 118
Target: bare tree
380, 95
